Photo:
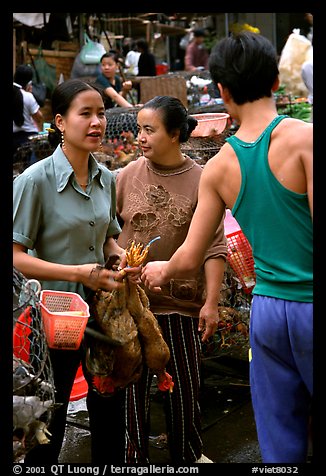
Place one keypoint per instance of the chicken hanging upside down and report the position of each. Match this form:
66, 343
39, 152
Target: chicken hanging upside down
124, 316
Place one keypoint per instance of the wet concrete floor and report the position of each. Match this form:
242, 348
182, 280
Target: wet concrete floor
229, 432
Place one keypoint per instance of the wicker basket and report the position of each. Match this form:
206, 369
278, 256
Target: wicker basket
64, 328
163, 85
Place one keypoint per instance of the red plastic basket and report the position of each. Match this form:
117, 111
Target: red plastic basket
241, 259
21, 349
63, 329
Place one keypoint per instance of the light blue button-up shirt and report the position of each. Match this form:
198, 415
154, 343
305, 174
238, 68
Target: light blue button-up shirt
60, 222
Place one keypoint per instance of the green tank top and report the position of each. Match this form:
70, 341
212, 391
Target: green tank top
276, 221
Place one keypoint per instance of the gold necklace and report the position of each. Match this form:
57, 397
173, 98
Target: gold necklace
81, 184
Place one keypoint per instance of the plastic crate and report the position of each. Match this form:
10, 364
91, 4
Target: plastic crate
63, 329
241, 260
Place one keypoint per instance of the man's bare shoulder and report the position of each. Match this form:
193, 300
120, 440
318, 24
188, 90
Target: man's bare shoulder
222, 174
223, 166
297, 129
223, 159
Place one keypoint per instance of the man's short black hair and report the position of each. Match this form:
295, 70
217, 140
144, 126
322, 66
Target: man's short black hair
199, 32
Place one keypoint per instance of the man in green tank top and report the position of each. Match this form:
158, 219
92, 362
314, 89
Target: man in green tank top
264, 175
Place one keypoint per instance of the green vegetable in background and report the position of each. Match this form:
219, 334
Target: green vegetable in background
299, 110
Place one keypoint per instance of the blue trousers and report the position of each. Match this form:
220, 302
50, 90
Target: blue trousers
281, 377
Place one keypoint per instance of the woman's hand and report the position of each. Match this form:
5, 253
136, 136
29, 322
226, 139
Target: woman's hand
96, 277
133, 274
208, 320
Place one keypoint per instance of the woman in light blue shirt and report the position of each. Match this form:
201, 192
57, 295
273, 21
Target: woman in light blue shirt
65, 225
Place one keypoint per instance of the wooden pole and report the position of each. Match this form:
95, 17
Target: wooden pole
14, 51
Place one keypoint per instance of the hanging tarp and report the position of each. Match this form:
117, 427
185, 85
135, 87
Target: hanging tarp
35, 20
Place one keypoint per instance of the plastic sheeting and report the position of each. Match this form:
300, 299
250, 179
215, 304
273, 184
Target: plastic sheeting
35, 20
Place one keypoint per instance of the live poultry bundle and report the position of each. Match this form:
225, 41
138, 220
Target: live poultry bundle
33, 385
124, 316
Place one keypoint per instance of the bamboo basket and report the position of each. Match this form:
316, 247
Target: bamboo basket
163, 85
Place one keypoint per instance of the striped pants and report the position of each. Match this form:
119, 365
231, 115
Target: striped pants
181, 407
